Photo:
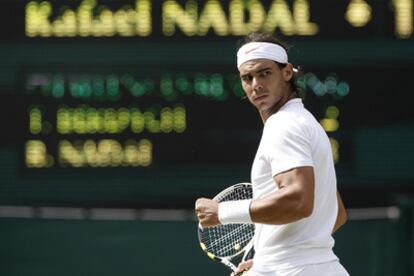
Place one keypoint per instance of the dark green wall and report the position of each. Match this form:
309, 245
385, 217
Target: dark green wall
35, 247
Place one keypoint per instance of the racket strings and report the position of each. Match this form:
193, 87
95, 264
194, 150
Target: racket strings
236, 194
229, 240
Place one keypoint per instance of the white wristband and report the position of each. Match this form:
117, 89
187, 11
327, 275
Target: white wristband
237, 211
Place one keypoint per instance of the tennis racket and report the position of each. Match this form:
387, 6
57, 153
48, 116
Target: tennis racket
226, 243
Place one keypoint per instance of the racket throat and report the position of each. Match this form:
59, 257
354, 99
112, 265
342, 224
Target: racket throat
228, 264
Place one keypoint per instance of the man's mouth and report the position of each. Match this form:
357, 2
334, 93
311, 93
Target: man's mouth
260, 97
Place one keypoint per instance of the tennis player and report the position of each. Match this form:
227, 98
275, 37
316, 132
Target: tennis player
295, 205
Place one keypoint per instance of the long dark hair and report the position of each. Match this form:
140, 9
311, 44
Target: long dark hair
270, 38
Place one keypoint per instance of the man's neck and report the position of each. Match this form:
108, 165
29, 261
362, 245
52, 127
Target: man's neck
274, 109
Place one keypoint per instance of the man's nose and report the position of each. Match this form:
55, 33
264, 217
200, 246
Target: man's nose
256, 85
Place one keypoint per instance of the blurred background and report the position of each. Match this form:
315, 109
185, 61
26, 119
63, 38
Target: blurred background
116, 115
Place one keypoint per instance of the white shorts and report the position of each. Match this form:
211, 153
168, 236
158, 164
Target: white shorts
323, 269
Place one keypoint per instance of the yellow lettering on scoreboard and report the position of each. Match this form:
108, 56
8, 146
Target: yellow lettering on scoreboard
85, 22
238, 24
335, 146
91, 19
241, 17
213, 17
105, 153
403, 17
185, 18
35, 120
89, 120
290, 23
280, 16
301, 14
36, 155
330, 124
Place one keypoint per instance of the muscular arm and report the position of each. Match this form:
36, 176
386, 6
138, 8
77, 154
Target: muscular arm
342, 217
293, 201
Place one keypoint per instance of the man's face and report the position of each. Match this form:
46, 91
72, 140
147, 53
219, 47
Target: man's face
264, 83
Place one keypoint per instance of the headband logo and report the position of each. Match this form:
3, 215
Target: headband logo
250, 50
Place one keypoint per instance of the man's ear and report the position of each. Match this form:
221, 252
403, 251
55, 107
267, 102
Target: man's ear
288, 72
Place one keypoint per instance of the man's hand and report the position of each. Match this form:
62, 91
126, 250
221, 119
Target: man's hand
207, 212
242, 267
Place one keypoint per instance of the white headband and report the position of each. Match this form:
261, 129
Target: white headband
255, 50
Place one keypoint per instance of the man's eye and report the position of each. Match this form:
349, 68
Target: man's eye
246, 78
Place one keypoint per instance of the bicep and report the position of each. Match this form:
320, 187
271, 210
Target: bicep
298, 183
301, 178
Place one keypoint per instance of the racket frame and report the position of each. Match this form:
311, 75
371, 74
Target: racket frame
247, 248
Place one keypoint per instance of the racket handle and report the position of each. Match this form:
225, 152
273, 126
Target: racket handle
241, 273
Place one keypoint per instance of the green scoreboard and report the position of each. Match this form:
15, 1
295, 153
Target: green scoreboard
126, 102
